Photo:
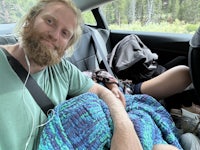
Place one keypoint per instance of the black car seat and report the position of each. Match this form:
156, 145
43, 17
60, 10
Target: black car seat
194, 60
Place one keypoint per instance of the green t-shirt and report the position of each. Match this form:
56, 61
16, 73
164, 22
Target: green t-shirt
19, 113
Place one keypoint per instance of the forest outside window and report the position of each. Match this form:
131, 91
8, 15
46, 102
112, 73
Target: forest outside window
172, 16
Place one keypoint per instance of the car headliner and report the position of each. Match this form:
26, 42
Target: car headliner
89, 4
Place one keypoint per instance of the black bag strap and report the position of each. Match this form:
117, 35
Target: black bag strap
37, 93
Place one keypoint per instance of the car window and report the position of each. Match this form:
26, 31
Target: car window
88, 18
173, 16
11, 11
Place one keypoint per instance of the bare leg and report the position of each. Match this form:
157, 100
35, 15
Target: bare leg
172, 81
164, 147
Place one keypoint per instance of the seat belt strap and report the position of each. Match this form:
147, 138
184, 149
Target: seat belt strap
99, 49
37, 93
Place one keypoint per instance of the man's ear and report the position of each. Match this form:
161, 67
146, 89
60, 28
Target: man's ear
26, 24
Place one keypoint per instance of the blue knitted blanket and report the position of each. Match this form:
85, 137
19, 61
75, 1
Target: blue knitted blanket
84, 123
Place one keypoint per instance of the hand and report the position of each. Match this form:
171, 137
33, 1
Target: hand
115, 90
124, 134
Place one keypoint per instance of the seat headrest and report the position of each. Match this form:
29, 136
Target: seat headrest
195, 41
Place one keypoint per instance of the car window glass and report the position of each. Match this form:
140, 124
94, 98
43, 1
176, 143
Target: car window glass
173, 16
13, 10
88, 18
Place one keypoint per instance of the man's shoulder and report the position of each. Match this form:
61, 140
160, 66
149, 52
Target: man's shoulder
63, 66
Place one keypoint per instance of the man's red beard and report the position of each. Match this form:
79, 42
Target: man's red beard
40, 53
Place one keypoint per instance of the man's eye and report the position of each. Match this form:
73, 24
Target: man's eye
49, 21
66, 34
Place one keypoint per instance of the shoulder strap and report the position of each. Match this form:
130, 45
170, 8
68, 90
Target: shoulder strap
38, 94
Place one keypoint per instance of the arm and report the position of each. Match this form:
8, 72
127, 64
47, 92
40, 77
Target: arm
124, 136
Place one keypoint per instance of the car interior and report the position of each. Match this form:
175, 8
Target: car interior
87, 55
167, 46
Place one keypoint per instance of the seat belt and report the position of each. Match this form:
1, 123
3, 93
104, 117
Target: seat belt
99, 48
37, 93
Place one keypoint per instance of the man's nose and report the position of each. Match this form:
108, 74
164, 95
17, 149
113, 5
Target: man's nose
54, 35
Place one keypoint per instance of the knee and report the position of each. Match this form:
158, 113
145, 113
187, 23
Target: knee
183, 72
182, 69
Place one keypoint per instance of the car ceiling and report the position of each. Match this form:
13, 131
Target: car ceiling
89, 4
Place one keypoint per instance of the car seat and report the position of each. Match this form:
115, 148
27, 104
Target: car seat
8, 39
194, 60
86, 56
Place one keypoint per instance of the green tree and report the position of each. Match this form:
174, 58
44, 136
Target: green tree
189, 11
5, 16
13, 10
109, 13
131, 10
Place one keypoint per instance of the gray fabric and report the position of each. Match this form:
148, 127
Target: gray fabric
190, 142
105, 34
129, 51
85, 56
8, 39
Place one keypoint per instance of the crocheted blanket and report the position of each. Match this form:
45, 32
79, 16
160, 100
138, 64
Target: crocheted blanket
84, 123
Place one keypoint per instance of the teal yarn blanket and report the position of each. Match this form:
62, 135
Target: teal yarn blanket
84, 123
